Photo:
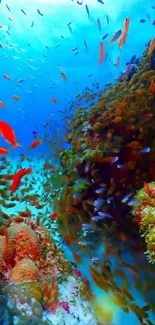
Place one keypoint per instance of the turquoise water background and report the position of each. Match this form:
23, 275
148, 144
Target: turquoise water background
24, 56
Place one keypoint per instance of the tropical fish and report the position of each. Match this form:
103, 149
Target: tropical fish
35, 143
39, 12
54, 215
104, 36
54, 100
151, 47
87, 9
17, 178
143, 20
152, 86
23, 12
116, 36
8, 133
99, 24
6, 77
101, 53
3, 151
63, 76
125, 32
15, 97
2, 104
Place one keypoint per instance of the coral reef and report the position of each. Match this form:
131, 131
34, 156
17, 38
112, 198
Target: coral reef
111, 155
144, 212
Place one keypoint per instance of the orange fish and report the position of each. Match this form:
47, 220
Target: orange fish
8, 133
3, 151
63, 76
54, 215
6, 77
147, 188
151, 47
54, 100
77, 258
125, 32
101, 52
15, 97
35, 143
152, 86
2, 104
17, 178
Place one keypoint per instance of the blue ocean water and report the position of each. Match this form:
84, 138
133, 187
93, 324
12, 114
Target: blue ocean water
37, 47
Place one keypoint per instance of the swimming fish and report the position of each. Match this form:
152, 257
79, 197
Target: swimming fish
39, 12
3, 151
116, 36
8, 133
143, 20
87, 9
23, 12
104, 36
6, 77
35, 143
101, 53
151, 47
17, 178
2, 104
125, 32
99, 24
63, 76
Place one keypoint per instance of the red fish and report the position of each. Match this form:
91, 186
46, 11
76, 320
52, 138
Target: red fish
6, 77
35, 143
147, 188
152, 86
15, 97
3, 151
54, 215
54, 100
17, 178
63, 76
8, 133
101, 52
125, 32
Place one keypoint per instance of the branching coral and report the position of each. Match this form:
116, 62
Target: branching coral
144, 212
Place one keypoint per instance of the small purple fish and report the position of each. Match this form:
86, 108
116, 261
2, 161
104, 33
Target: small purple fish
153, 22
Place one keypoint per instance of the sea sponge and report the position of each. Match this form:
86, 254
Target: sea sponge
25, 270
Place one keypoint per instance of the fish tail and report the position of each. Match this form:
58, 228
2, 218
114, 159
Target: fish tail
17, 144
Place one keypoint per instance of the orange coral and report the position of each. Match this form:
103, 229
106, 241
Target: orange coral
22, 243
25, 270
